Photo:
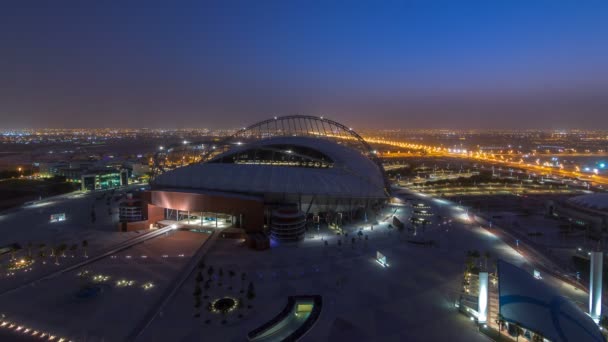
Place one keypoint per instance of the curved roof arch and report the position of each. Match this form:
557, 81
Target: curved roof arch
301, 125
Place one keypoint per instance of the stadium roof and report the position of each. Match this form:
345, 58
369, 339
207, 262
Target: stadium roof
530, 303
593, 201
352, 174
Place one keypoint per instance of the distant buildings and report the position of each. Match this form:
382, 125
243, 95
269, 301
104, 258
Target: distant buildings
587, 211
89, 174
130, 210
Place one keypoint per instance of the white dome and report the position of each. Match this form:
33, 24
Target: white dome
351, 173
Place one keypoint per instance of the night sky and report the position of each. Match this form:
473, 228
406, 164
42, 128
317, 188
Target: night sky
380, 64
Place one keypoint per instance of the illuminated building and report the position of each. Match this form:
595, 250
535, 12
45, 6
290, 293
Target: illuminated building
249, 186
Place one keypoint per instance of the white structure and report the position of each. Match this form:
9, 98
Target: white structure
317, 174
482, 307
595, 285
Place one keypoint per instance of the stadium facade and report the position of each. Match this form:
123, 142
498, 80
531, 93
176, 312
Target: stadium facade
275, 183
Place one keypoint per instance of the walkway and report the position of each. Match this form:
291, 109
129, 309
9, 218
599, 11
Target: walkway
170, 292
117, 248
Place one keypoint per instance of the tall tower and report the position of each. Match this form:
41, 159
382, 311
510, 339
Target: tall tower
595, 285
482, 303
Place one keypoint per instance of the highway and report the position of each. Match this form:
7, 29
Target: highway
441, 152
110, 251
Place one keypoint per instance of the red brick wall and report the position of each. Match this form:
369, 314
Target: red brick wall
252, 210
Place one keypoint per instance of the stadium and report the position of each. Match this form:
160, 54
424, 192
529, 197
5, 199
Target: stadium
273, 177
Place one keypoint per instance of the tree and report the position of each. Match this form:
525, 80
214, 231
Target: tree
210, 272
85, 245
73, 249
197, 290
207, 285
62, 248
13, 251
518, 332
201, 264
221, 275
250, 291
55, 253
197, 302
231, 275
199, 277
243, 276
29, 249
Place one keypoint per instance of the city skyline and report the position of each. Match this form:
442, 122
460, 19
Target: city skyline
217, 65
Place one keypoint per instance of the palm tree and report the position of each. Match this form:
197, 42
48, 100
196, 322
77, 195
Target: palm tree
231, 275
62, 248
199, 277
197, 290
13, 251
85, 244
207, 288
29, 249
210, 272
518, 331
221, 275
243, 276
73, 249
201, 264
55, 253
250, 291
42, 254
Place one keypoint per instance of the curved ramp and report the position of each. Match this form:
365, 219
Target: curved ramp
298, 316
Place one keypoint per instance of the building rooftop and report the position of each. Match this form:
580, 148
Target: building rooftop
530, 303
593, 201
351, 175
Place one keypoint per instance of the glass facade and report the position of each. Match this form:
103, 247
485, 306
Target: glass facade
102, 180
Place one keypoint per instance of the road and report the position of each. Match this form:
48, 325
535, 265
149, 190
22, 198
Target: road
440, 152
